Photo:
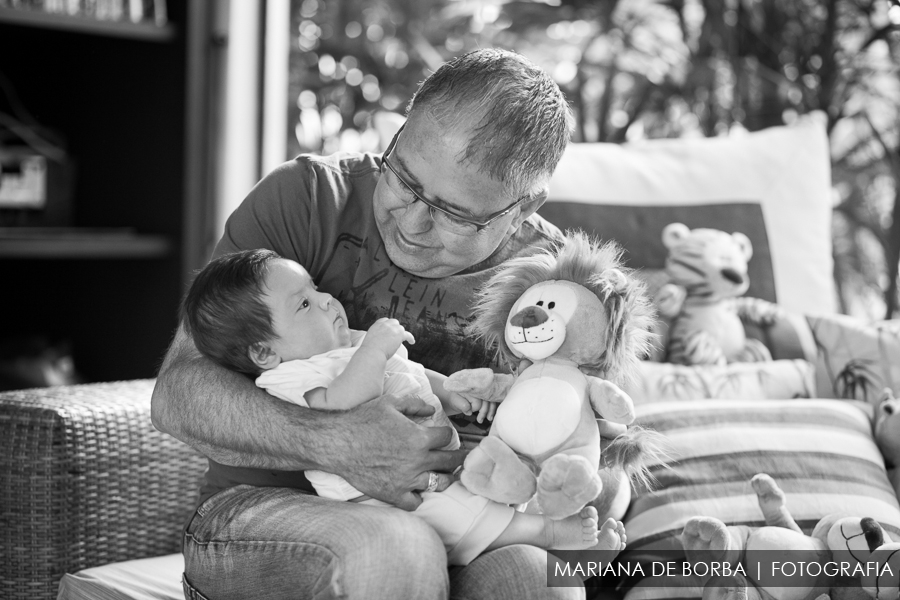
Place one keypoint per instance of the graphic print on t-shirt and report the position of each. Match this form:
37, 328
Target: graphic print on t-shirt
436, 311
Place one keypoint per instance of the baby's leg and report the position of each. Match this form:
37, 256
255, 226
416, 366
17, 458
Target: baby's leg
577, 532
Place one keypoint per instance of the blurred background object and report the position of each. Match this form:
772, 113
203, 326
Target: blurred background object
36, 362
640, 69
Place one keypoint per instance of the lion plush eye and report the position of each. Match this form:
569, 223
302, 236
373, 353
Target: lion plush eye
563, 304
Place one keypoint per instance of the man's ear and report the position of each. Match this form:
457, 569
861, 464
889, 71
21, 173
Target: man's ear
263, 356
529, 207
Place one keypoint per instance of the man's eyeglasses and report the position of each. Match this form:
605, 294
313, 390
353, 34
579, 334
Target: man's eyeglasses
443, 218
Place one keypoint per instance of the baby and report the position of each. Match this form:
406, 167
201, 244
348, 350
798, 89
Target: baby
260, 314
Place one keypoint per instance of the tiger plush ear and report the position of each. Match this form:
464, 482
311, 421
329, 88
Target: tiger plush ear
674, 233
744, 244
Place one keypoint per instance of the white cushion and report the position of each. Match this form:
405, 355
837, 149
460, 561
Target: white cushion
776, 379
784, 170
157, 578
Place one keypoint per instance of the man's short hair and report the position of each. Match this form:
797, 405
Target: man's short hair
519, 118
224, 311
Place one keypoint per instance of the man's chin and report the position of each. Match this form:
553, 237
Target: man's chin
422, 265
415, 260
419, 263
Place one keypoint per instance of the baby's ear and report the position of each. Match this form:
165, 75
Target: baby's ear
263, 356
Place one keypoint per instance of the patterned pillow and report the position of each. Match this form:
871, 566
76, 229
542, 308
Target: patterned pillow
778, 379
821, 453
763, 184
856, 360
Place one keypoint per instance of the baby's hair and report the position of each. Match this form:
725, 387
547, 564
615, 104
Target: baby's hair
223, 310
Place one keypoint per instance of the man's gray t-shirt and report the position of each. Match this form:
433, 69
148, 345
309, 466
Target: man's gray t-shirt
318, 211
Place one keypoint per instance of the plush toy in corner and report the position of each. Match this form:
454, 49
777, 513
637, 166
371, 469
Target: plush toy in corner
574, 321
836, 538
887, 435
708, 271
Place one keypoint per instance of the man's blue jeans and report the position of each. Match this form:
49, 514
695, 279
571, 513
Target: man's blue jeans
249, 542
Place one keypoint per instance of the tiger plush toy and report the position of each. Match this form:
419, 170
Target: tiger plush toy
708, 271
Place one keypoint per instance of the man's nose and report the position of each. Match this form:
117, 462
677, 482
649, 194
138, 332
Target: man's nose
416, 218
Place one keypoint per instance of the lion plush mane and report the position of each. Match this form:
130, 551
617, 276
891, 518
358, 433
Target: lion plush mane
597, 266
585, 262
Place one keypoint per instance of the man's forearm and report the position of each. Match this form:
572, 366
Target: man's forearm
226, 417
375, 446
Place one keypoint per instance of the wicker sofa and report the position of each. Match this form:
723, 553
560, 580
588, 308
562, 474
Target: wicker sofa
86, 480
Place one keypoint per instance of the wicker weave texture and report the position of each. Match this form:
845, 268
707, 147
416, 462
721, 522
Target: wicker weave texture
86, 480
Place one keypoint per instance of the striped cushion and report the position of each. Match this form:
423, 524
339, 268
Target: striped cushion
820, 452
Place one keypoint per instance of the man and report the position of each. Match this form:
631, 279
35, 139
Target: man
408, 236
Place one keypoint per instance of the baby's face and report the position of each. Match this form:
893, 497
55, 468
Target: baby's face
306, 321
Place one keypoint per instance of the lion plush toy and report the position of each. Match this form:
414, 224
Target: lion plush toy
836, 539
574, 322
708, 271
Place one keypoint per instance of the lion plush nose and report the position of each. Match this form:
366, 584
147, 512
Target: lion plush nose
528, 317
732, 276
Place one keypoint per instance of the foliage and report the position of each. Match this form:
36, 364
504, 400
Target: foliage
644, 69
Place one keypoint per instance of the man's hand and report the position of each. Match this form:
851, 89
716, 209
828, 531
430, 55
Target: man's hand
389, 457
386, 335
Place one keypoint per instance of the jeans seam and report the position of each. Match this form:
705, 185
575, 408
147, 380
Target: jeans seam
199, 542
195, 594
335, 584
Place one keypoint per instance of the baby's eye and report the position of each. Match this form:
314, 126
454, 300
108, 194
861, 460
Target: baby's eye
304, 303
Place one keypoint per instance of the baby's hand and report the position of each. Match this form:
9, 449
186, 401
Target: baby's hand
386, 335
478, 390
470, 404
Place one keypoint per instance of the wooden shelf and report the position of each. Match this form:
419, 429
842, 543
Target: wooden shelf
74, 243
125, 29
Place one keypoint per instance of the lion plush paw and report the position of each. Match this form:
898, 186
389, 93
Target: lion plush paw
567, 482
494, 471
611, 402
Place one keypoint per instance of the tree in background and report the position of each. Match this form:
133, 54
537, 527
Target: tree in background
644, 69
